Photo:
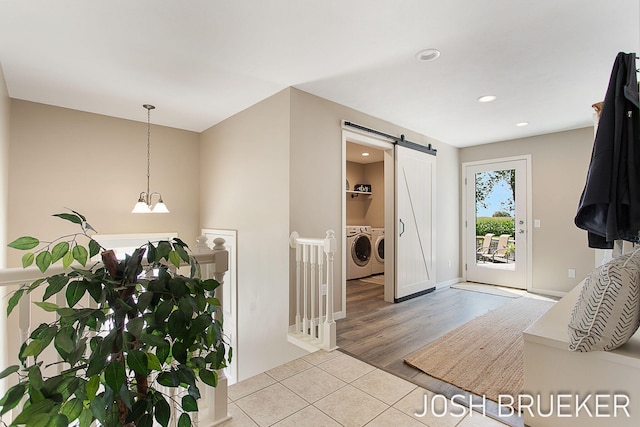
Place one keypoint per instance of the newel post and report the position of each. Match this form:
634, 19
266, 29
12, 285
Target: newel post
218, 405
329, 326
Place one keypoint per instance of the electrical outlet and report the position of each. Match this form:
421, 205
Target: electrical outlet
324, 289
572, 273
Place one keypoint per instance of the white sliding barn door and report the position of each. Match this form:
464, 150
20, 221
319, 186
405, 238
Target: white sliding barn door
415, 239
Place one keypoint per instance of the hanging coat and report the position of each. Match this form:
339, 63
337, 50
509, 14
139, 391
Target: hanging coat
609, 207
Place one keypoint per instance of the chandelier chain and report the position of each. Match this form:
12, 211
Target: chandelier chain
148, 147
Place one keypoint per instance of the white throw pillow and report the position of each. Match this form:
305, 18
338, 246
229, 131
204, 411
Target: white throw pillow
607, 312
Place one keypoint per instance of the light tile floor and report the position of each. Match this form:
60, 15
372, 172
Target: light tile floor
334, 389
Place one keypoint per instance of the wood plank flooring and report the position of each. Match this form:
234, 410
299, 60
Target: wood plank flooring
383, 334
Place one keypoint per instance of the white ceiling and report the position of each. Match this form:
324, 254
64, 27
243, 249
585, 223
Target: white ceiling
202, 61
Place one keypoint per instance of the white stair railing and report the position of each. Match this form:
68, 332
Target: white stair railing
213, 262
314, 321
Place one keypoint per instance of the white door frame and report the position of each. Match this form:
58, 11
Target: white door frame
383, 144
529, 222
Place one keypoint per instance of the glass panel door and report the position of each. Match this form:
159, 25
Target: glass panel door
495, 223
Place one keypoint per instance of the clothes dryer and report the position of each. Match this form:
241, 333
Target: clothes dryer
377, 260
359, 251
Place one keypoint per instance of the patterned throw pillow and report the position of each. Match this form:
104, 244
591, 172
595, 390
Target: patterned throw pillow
607, 312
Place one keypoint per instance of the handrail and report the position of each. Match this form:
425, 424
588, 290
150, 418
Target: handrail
314, 278
18, 276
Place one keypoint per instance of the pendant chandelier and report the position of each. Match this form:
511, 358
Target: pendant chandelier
145, 200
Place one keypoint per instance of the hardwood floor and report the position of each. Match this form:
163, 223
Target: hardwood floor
383, 334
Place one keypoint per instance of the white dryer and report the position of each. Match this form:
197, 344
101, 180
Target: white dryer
359, 251
377, 260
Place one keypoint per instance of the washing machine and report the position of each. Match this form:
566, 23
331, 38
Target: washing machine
377, 260
359, 251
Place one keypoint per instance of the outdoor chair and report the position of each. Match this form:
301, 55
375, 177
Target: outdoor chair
485, 249
500, 254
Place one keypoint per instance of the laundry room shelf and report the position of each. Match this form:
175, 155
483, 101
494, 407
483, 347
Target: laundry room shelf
355, 194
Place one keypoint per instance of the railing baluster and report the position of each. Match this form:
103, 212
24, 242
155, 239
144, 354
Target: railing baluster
313, 287
318, 325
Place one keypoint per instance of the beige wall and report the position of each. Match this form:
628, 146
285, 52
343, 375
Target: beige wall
366, 210
374, 175
96, 165
5, 118
559, 164
245, 187
317, 186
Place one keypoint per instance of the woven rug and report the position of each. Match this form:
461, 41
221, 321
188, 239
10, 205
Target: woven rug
490, 289
485, 355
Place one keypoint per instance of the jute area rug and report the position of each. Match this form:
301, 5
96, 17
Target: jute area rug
490, 289
485, 355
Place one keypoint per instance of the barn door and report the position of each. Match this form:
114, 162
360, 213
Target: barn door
415, 239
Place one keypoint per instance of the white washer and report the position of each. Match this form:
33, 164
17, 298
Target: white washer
359, 251
377, 260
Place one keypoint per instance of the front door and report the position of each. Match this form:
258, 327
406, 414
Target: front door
496, 223
415, 239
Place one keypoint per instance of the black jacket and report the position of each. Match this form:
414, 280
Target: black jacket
609, 207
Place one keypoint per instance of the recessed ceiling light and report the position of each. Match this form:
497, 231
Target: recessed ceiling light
365, 154
427, 55
521, 124
487, 98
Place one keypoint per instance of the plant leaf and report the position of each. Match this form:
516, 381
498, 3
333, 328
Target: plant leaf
94, 248
75, 292
47, 306
86, 418
13, 301
209, 377
63, 340
137, 360
163, 250
58, 251
27, 259
8, 371
34, 348
72, 408
153, 362
41, 407
182, 252
114, 375
151, 253
12, 398
67, 259
58, 420
43, 260
168, 379
69, 217
56, 283
134, 326
184, 420
162, 411
179, 352
144, 300
92, 387
80, 254
24, 243
189, 404
174, 258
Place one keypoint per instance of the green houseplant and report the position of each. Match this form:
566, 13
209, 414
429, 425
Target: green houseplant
145, 326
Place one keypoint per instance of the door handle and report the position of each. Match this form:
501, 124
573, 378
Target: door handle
521, 231
402, 232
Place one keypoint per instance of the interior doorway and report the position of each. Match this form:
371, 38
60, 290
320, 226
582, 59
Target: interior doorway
497, 212
366, 214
